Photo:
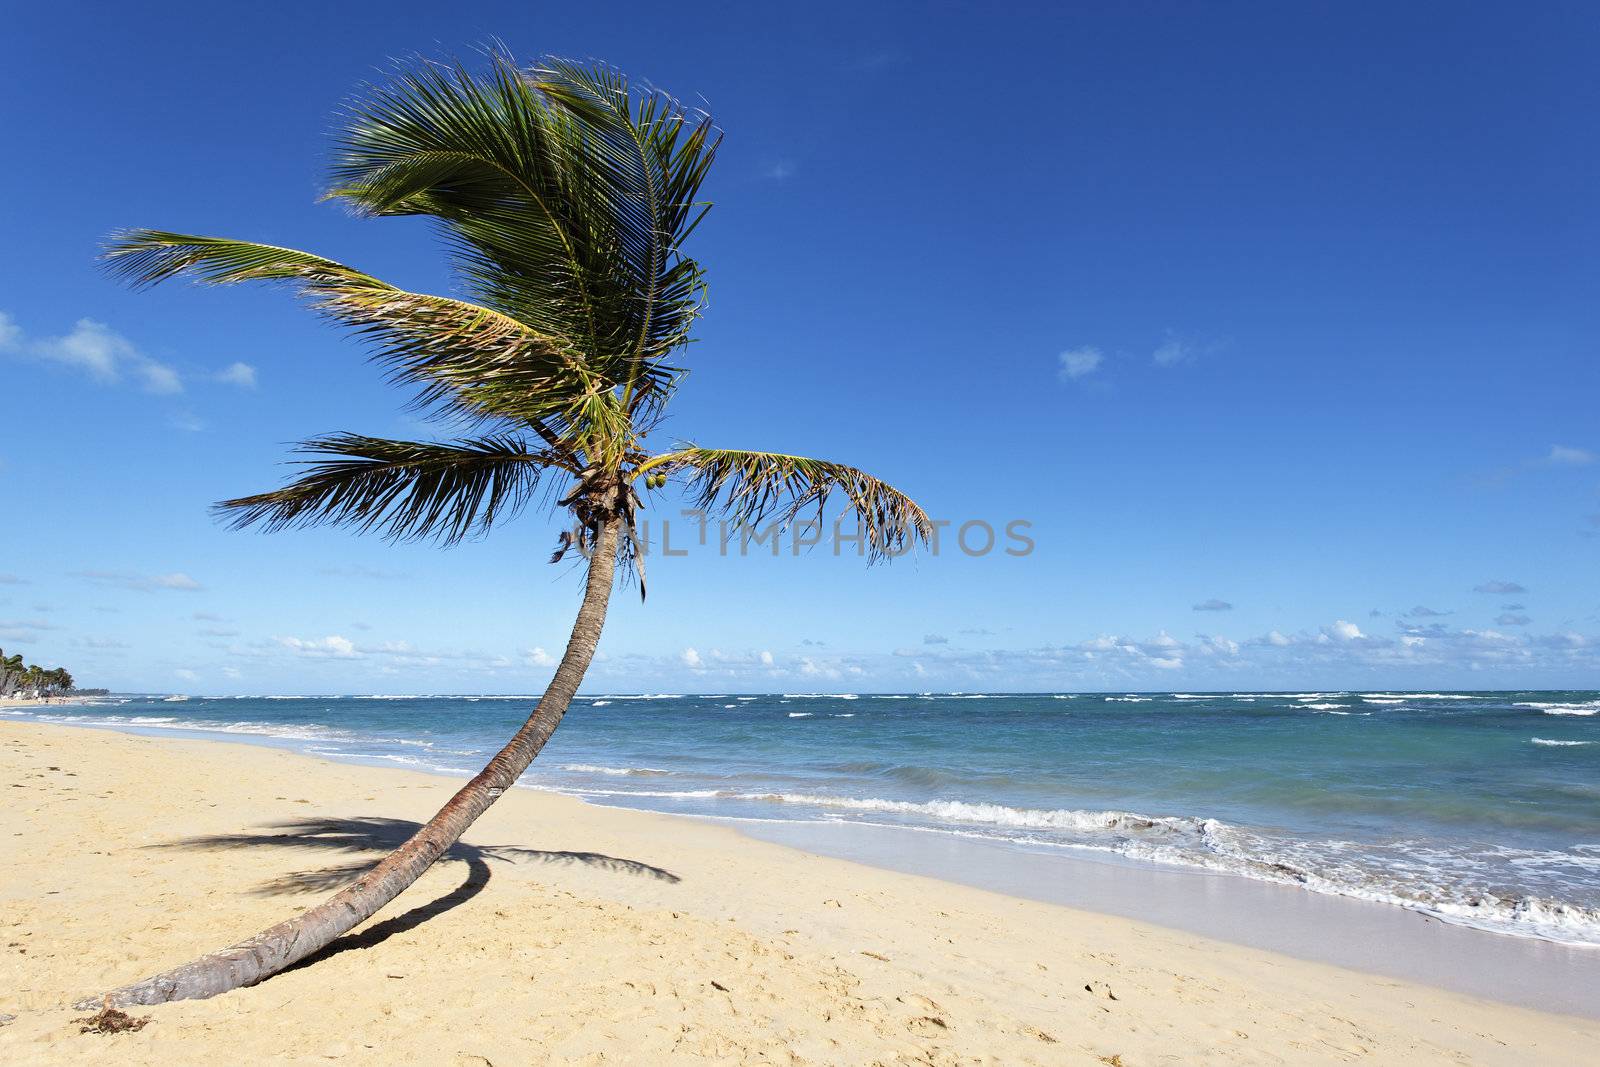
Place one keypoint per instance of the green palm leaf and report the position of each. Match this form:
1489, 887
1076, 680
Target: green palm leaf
654, 159
755, 487
474, 360
405, 490
565, 200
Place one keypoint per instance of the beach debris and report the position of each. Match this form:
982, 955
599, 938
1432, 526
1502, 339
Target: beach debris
1115, 1059
4, 1018
718, 985
1103, 989
1035, 1032
874, 955
109, 1020
830, 902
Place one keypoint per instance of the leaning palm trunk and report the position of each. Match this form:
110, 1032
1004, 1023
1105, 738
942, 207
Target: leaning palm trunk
283, 945
566, 197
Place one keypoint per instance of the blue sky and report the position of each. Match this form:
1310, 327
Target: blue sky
1276, 322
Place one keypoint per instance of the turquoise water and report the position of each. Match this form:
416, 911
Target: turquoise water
1477, 808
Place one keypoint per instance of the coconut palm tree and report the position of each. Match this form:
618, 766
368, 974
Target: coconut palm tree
10, 669
565, 196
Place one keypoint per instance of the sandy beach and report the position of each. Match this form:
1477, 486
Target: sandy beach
563, 932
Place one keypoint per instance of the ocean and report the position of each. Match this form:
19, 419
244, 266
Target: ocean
1477, 808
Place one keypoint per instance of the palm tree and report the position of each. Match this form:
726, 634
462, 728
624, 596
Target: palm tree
565, 197
10, 667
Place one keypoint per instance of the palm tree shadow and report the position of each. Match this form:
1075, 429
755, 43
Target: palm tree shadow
380, 835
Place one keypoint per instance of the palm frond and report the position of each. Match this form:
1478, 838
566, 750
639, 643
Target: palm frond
564, 195
652, 159
755, 487
474, 360
405, 490
145, 257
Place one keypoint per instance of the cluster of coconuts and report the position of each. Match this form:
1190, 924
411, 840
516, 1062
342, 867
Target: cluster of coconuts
655, 481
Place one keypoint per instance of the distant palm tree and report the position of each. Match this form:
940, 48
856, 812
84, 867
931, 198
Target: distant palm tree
10, 669
565, 197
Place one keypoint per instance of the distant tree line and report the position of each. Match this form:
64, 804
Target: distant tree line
32, 680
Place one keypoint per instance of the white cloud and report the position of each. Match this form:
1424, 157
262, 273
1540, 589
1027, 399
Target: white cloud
331, 647
1172, 352
95, 349
177, 582
1213, 605
13, 625
1217, 645
812, 669
1080, 362
105, 644
159, 378
91, 347
358, 570
242, 375
1564, 455
1176, 350
388, 657
1568, 640
1335, 654
691, 659
766, 658
1499, 588
540, 658
1344, 631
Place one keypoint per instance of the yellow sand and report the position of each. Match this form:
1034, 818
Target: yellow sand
584, 949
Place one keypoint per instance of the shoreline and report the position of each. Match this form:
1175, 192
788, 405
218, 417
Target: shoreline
616, 932
1463, 860
1376, 938
1380, 940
